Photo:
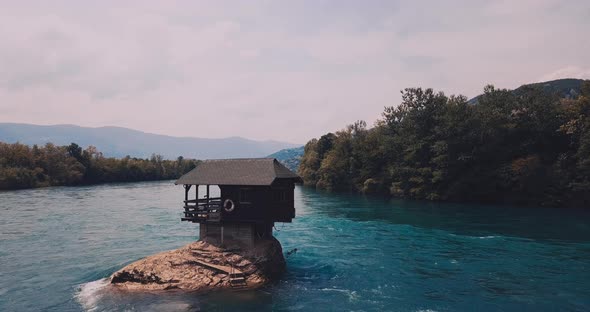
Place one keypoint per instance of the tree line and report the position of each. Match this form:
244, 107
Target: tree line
525, 147
22, 166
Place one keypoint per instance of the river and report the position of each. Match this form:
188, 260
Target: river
354, 253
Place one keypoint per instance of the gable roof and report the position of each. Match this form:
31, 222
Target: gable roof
248, 171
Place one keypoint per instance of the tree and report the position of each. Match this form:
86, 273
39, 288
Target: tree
524, 146
24, 167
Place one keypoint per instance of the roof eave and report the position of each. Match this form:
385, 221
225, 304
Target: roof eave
297, 180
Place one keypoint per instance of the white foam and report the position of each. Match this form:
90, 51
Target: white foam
170, 306
90, 293
487, 237
352, 295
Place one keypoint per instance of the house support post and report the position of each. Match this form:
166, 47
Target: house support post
207, 196
187, 187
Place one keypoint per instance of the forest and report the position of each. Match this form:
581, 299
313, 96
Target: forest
22, 166
527, 147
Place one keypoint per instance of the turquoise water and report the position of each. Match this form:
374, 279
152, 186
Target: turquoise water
354, 253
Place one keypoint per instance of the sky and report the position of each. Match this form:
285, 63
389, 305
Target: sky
270, 70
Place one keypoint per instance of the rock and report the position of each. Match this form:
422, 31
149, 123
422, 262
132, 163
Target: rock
188, 268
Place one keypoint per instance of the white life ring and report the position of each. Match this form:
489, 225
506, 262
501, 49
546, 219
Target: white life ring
228, 205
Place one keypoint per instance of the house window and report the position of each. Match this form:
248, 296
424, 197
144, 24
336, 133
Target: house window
245, 196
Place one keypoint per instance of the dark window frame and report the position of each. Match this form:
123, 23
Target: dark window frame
245, 195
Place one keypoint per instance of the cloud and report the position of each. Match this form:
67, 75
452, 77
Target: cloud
267, 70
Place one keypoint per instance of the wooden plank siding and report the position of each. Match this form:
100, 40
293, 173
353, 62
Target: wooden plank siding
262, 203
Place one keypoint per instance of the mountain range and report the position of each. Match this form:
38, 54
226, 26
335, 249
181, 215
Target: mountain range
563, 88
290, 157
119, 142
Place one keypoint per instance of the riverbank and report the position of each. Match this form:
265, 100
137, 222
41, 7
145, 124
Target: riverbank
24, 167
521, 147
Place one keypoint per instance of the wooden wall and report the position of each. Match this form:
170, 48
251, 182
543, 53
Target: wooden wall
260, 203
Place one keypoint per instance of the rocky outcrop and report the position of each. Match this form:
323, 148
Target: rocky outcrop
201, 266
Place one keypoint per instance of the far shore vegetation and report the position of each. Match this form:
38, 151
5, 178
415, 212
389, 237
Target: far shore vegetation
23, 166
527, 147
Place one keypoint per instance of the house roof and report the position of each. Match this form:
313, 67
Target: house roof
250, 171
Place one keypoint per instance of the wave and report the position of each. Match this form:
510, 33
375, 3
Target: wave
487, 237
89, 294
476, 237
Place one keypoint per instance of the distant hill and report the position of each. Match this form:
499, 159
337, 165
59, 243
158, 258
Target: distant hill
564, 88
119, 142
290, 157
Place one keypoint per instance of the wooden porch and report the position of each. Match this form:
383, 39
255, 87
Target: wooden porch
201, 209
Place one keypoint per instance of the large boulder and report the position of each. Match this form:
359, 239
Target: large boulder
200, 266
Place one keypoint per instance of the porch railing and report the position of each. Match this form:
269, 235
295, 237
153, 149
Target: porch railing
202, 209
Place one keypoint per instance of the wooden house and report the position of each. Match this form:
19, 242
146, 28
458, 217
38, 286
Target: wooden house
253, 195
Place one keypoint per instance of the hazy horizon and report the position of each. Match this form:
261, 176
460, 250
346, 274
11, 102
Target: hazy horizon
148, 132
270, 70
